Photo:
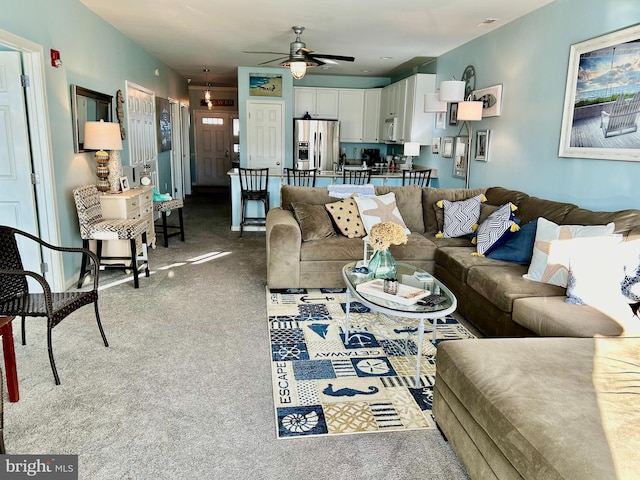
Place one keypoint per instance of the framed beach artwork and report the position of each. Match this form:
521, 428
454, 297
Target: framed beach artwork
491, 98
265, 85
602, 98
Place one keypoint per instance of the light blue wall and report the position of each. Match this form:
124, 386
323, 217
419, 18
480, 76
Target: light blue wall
95, 56
530, 58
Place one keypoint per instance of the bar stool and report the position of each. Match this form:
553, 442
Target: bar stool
416, 177
163, 207
253, 186
301, 178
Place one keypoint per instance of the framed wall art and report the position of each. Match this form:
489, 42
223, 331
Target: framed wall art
164, 124
602, 98
447, 147
482, 145
491, 98
435, 146
265, 85
441, 119
453, 114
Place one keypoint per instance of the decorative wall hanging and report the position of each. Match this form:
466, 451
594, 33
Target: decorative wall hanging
164, 124
461, 158
435, 146
491, 98
441, 120
602, 98
447, 147
453, 114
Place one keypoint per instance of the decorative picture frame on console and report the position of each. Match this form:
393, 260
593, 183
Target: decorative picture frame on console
602, 98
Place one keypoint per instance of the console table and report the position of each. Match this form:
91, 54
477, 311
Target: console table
134, 203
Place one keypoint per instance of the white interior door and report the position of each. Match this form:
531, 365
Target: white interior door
176, 150
265, 135
142, 132
185, 120
213, 157
17, 196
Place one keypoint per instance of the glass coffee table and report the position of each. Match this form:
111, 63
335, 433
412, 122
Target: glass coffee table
411, 280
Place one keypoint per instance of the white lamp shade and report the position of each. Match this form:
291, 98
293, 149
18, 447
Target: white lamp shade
432, 103
298, 69
102, 136
452, 90
470, 111
411, 149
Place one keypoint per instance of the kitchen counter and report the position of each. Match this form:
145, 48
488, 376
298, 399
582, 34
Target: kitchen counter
277, 178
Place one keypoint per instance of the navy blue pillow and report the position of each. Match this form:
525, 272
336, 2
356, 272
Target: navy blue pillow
519, 247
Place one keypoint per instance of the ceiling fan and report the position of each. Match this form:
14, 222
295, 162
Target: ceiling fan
300, 57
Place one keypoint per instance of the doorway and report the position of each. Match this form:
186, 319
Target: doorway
213, 133
39, 162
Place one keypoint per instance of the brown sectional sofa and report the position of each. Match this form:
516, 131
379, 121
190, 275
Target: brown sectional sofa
491, 294
535, 408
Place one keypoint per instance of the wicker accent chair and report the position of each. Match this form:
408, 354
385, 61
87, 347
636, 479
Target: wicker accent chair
16, 299
164, 207
94, 227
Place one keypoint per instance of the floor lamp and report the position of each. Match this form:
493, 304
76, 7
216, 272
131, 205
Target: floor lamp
469, 111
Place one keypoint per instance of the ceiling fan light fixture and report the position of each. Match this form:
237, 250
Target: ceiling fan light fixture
298, 69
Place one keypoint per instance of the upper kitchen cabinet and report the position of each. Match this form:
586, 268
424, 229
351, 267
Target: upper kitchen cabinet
392, 104
351, 114
418, 125
319, 102
371, 122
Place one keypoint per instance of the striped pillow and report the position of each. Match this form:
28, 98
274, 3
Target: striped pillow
496, 229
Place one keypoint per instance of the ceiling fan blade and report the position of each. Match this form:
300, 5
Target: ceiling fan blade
270, 53
274, 60
333, 57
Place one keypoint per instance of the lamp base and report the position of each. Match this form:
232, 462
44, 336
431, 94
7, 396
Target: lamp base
115, 171
102, 171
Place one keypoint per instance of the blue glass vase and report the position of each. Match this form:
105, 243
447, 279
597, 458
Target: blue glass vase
382, 265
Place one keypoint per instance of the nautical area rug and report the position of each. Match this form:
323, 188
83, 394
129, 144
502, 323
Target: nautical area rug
322, 386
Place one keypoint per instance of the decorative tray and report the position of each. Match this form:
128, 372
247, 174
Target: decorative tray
406, 295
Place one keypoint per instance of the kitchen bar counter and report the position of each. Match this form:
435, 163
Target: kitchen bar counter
323, 179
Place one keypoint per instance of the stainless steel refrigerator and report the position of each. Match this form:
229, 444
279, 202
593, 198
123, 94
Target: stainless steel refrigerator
315, 143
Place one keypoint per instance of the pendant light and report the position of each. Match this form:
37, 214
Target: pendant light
207, 92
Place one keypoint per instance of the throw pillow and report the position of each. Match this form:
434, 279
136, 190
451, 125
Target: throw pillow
595, 272
552, 247
460, 218
313, 220
519, 247
381, 208
346, 217
496, 229
485, 211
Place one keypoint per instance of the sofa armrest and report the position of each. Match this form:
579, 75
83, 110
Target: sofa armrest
284, 239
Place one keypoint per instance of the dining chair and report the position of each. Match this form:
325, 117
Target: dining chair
16, 298
416, 177
94, 227
301, 178
253, 187
356, 176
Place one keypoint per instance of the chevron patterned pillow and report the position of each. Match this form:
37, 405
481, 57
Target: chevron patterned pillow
496, 229
460, 218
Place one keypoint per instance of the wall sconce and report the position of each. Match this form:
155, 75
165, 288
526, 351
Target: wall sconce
103, 136
411, 149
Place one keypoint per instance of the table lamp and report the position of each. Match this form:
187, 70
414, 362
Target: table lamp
103, 136
411, 149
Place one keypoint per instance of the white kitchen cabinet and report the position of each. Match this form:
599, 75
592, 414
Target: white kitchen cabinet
319, 102
418, 125
371, 122
392, 104
351, 114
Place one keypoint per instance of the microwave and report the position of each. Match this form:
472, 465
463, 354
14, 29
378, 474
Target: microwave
390, 131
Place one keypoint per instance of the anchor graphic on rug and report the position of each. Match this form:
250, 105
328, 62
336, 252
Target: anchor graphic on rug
348, 392
306, 299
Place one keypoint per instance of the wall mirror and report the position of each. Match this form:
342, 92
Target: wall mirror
87, 106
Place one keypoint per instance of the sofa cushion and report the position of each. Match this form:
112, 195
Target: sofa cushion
553, 317
409, 202
519, 247
625, 220
313, 220
457, 261
501, 195
332, 248
501, 285
310, 195
554, 407
378, 209
346, 217
550, 260
531, 208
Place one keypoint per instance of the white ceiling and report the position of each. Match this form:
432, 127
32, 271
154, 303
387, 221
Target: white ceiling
190, 35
